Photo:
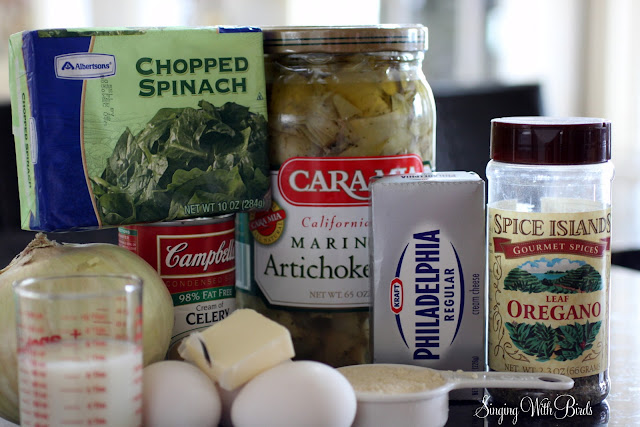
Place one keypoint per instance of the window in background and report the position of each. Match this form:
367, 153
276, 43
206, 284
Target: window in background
140, 13
15, 15
285, 12
540, 41
583, 53
18, 15
60, 13
481, 42
97, 13
612, 90
457, 52
232, 12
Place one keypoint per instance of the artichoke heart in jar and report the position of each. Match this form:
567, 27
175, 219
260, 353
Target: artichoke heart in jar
345, 104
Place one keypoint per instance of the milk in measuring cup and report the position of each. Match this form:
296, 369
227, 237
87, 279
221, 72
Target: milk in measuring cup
83, 382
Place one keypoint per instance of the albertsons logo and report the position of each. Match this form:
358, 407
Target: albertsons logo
81, 66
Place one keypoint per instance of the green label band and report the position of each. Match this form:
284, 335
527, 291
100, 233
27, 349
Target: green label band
203, 295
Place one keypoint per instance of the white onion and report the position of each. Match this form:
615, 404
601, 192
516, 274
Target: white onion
43, 257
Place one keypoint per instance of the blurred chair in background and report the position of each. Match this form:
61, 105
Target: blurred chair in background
9, 207
464, 121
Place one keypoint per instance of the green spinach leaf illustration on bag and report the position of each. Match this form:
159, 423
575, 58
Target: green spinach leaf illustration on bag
184, 156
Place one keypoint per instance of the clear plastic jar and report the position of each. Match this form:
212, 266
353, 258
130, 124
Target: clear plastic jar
344, 104
549, 224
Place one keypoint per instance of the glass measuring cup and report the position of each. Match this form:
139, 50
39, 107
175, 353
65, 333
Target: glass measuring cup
80, 350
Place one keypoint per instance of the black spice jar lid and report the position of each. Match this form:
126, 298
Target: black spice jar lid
550, 140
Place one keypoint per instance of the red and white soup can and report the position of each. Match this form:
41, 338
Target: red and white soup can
196, 260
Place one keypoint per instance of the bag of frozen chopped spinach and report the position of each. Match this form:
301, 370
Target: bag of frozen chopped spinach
131, 125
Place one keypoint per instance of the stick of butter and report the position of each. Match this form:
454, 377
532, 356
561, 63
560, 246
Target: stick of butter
238, 348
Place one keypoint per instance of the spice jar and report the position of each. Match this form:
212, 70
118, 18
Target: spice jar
549, 225
345, 104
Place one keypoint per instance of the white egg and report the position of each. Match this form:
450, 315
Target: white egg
177, 393
300, 393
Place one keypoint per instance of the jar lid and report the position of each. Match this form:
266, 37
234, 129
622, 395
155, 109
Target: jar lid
352, 39
550, 140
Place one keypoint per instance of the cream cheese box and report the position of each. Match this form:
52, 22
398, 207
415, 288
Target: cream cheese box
428, 272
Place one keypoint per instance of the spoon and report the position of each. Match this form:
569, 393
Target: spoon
430, 407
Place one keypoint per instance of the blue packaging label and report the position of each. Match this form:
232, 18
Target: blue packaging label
123, 126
